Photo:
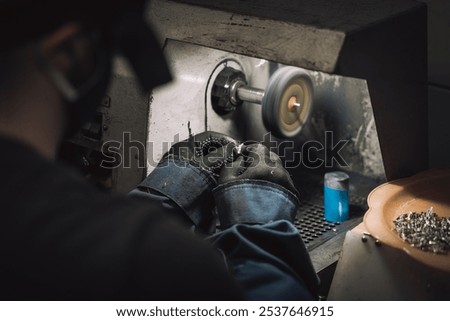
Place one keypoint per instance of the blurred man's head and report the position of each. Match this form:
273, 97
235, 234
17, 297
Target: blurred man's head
70, 43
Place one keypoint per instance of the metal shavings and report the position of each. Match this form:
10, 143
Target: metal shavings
426, 231
367, 234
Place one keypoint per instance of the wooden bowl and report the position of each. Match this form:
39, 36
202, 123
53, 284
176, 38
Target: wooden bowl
417, 194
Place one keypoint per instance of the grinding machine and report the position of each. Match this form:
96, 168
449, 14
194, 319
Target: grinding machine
327, 85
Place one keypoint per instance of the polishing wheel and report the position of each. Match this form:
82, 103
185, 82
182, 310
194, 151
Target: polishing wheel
286, 102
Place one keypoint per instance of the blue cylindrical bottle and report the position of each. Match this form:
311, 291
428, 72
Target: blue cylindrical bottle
336, 202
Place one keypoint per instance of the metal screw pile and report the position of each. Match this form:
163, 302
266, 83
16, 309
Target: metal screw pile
425, 230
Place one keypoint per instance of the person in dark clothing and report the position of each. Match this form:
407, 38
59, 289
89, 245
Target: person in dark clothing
62, 239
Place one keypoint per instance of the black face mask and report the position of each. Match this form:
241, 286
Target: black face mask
132, 37
81, 101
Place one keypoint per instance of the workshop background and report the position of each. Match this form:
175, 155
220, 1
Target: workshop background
126, 95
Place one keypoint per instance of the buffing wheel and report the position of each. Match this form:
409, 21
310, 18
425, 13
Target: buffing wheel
287, 101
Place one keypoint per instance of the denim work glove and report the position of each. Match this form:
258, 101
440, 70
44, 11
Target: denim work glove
187, 174
257, 162
255, 188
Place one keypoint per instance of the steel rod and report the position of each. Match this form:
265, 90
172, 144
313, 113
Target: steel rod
250, 94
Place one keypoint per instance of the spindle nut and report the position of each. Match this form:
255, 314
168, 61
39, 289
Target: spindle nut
223, 98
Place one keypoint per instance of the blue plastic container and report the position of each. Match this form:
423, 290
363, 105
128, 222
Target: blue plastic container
336, 202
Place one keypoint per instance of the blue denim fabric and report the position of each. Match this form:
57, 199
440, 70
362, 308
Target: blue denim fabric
267, 257
188, 186
254, 201
270, 261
